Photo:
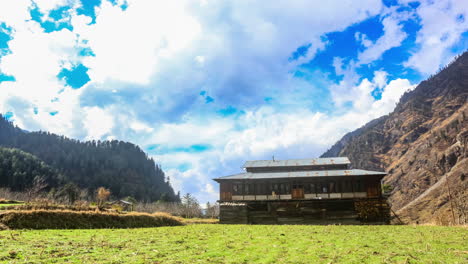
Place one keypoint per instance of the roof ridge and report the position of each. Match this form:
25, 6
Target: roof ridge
297, 162
302, 174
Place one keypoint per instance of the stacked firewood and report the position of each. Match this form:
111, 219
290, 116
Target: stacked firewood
372, 210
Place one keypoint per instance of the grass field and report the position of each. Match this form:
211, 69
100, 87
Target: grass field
6, 204
239, 244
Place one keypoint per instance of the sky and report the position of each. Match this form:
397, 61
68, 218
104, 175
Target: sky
204, 85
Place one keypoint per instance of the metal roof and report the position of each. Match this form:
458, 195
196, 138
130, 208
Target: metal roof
296, 162
300, 174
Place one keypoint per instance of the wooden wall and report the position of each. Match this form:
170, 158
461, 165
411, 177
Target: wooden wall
306, 188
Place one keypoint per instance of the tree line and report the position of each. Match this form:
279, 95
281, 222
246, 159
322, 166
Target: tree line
120, 166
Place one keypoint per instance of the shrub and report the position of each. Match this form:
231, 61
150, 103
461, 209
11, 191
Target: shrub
66, 219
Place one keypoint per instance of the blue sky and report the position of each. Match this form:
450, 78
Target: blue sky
204, 85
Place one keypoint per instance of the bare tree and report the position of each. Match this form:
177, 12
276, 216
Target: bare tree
102, 196
39, 184
461, 204
212, 211
191, 207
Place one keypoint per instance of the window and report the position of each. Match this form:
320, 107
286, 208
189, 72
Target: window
312, 188
322, 187
332, 187
282, 188
358, 186
346, 186
261, 189
275, 188
237, 189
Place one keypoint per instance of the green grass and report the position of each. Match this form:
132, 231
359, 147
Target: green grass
239, 244
5, 205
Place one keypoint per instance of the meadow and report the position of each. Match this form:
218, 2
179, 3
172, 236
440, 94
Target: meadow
208, 243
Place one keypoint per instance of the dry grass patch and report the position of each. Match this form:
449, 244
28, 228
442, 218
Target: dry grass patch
67, 219
199, 221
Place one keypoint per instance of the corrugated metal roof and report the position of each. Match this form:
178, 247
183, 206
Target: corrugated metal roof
299, 174
296, 162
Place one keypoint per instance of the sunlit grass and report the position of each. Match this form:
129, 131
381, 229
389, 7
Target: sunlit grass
239, 244
6, 204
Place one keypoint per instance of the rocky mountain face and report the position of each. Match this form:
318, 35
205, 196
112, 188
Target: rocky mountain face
423, 146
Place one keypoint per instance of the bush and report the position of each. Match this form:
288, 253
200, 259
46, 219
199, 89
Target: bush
66, 219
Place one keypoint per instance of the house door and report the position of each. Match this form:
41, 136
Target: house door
297, 191
226, 196
372, 190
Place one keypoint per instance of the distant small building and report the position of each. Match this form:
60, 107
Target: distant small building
302, 191
126, 205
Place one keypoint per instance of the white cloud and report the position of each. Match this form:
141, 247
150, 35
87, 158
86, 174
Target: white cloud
443, 22
308, 132
14, 14
46, 6
380, 78
363, 39
390, 96
129, 44
392, 37
98, 122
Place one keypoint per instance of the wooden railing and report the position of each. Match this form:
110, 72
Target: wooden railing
306, 196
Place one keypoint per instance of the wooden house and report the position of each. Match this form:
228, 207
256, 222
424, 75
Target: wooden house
303, 191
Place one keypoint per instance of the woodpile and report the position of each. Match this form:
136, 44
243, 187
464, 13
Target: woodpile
372, 210
307, 212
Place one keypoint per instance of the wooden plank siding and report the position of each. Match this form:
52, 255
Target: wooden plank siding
314, 189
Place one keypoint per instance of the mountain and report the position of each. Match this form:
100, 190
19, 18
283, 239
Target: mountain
120, 166
423, 145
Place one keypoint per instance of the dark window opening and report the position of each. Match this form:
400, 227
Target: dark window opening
322, 187
346, 186
312, 188
237, 189
358, 186
261, 189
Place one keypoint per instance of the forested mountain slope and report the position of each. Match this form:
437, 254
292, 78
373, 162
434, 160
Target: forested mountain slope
120, 166
18, 170
423, 146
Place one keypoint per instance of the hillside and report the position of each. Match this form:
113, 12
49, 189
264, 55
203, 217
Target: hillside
423, 146
120, 166
18, 170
